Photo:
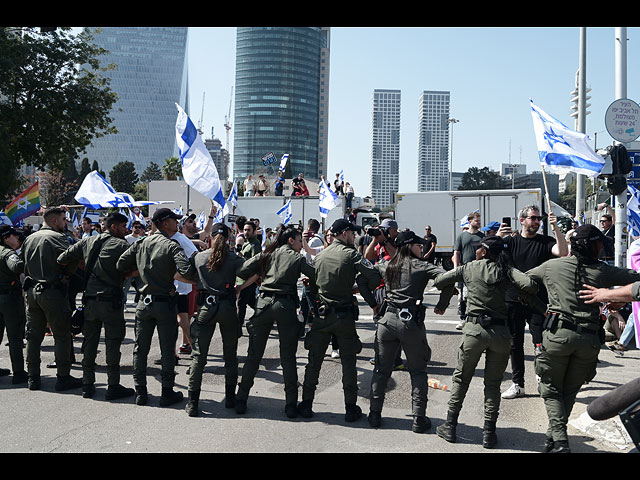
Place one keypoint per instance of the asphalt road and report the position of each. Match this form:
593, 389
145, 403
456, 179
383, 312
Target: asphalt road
48, 421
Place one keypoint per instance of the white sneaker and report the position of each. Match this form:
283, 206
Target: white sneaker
335, 354
514, 391
460, 325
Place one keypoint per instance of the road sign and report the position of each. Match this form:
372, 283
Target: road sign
622, 120
634, 176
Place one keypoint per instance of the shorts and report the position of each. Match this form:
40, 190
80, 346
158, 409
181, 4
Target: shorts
183, 303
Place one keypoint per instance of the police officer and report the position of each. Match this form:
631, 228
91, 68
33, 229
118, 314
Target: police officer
279, 268
157, 259
401, 323
216, 268
12, 316
485, 331
572, 336
47, 302
336, 270
102, 302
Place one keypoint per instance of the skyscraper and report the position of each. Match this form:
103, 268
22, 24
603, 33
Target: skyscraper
150, 78
433, 141
281, 99
385, 146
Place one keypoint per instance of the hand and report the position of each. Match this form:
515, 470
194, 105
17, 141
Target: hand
592, 294
214, 209
504, 230
553, 220
437, 311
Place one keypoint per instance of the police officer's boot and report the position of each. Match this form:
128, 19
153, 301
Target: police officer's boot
375, 418
229, 396
548, 445
67, 382
561, 446
241, 406
489, 437
421, 424
33, 382
448, 429
141, 396
353, 412
304, 408
117, 391
169, 397
192, 404
19, 377
88, 389
291, 410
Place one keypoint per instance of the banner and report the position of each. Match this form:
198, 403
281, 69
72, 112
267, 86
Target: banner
24, 205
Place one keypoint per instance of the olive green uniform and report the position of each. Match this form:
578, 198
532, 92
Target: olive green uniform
216, 306
392, 332
102, 302
570, 347
157, 258
276, 303
12, 314
47, 300
336, 269
494, 340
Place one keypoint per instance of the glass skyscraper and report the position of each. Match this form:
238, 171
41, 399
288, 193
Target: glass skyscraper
150, 78
385, 146
433, 141
281, 99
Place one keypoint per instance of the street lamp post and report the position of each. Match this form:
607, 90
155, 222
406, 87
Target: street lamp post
452, 121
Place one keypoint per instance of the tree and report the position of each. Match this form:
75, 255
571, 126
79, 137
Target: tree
172, 168
123, 177
480, 179
53, 99
84, 168
151, 173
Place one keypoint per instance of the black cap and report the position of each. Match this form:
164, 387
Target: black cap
587, 232
163, 214
493, 243
219, 228
6, 230
342, 225
407, 238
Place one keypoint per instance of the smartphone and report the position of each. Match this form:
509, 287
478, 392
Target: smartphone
506, 220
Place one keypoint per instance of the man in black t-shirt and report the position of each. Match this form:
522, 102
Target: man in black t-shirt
527, 250
429, 249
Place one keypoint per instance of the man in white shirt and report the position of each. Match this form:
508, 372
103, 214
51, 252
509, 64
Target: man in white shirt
87, 228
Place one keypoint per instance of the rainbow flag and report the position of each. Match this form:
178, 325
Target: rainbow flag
24, 205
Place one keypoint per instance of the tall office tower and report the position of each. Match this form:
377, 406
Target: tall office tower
219, 156
385, 146
281, 99
433, 141
150, 78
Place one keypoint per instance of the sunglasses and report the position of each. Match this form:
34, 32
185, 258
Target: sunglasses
535, 217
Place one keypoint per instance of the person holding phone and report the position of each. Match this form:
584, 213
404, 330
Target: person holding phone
527, 250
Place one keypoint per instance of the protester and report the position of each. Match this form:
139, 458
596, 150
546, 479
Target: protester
250, 248
338, 185
429, 247
491, 229
262, 187
87, 228
249, 186
349, 194
296, 188
608, 228
464, 251
278, 186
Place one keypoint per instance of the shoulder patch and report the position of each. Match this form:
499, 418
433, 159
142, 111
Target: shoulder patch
366, 263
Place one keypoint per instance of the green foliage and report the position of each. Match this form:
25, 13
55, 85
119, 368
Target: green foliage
151, 173
480, 179
53, 99
123, 177
172, 168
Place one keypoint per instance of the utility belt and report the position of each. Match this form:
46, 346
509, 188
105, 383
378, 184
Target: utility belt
115, 300
553, 321
416, 313
486, 321
323, 309
148, 299
278, 296
208, 298
41, 286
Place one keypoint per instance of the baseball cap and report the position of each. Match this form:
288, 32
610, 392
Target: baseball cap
494, 244
219, 228
191, 216
342, 225
587, 232
163, 214
389, 223
408, 238
491, 226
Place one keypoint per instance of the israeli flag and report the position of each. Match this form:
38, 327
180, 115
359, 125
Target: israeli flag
562, 149
198, 169
283, 162
140, 218
341, 176
74, 220
95, 193
328, 199
178, 211
633, 211
285, 213
233, 195
200, 221
4, 219
264, 239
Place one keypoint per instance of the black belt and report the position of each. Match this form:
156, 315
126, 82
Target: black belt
102, 298
493, 321
576, 328
287, 296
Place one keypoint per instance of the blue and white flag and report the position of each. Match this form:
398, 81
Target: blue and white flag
178, 211
285, 213
283, 162
563, 149
633, 211
200, 221
4, 219
140, 218
95, 193
74, 219
233, 195
198, 169
341, 176
264, 239
328, 199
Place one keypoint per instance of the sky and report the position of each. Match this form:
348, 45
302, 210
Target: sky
492, 73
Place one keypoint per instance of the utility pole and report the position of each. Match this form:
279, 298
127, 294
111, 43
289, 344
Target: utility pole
621, 92
582, 115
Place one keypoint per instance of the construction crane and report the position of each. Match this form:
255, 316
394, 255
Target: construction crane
227, 120
200, 125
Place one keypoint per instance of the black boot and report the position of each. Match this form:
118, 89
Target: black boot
117, 391
375, 419
304, 407
421, 424
561, 446
4, 372
88, 389
192, 404
291, 410
34, 382
19, 378
489, 437
352, 412
448, 429
241, 406
67, 382
141, 396
229, 396
548, 445
169, 397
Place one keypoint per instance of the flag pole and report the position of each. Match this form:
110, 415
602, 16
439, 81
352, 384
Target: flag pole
546, 193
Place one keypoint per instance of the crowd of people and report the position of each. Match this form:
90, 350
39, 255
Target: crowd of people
263, 188
194, 280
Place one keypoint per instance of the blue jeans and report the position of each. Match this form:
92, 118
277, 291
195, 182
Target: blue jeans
629, 331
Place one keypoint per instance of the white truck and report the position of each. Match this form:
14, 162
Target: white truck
444, 210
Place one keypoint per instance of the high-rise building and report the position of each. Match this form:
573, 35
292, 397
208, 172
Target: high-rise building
281, 99
150, 78
385, 146
433, 141
219, 155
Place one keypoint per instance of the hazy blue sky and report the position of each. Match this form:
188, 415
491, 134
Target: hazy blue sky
490, 72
